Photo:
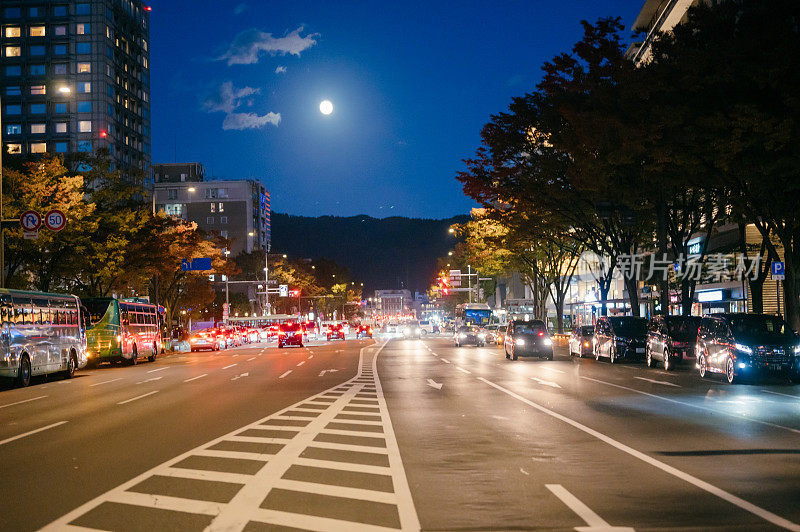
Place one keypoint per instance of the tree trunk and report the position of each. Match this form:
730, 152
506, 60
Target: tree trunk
687, 296
604, 287
791, 287
560, 314
632, 286
661, 230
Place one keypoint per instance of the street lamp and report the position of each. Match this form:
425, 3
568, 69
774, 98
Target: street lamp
449, 253
451, 231
64, 89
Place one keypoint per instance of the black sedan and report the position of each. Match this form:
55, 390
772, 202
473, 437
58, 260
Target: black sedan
469, 335
620, 337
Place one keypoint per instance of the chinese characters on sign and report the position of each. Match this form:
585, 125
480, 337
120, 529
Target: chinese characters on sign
716, 267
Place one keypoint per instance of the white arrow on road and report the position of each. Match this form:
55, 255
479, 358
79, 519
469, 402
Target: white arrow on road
433, 384
149, 380
546, 383
240, 376
324, 371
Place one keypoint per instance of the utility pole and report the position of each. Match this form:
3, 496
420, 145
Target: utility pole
266, 279
469, 280
2, 226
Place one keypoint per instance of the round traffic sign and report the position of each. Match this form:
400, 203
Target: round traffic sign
30, 221
55, 220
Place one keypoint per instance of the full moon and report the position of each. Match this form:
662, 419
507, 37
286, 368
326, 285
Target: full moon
325, 107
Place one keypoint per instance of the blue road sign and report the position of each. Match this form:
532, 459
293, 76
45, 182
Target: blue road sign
778, 271
196, 265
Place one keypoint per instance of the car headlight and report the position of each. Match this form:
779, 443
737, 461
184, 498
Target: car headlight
519, 341
585, 344
797, 350
548, 341
481, 336
744, 349
462, 336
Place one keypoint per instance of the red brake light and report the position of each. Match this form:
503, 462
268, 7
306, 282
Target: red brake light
541, 333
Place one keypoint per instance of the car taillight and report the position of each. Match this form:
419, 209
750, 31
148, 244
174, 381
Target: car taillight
541, 333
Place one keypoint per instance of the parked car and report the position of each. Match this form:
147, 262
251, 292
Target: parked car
291, 334
469, 334
620, 337
670, 339
311, 329
580, 340
364, 331
527, 338
746, 345
335, 330
206, 339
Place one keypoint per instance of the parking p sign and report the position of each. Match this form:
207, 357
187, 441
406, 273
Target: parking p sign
778, 271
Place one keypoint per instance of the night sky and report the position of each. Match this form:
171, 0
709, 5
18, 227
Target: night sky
237, 86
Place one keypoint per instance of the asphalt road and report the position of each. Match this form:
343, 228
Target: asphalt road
406, 434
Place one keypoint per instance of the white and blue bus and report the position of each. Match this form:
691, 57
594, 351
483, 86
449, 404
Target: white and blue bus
41, 333
478, 314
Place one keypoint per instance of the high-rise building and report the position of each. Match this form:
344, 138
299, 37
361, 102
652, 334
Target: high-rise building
75, 77
237, 210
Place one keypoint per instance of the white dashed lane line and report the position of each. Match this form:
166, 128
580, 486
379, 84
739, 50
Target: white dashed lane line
137, 398
285, 374
195, 378
329, 462
226, 367
24, 401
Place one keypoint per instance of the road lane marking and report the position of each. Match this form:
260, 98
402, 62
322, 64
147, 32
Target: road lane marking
703, 485
553, 369
137, 398
444, 360
105, 382
368, 493
195, 378
770, 391
459, 368
310, 357
301, 362
159, 369
25, 401
594, 521
251, 358
226, 367
707, 409
654, 381
237, 377
29, 433
150, 380
546, 383
285, 374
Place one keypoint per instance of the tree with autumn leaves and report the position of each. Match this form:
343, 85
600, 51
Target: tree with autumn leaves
624, 158
112, 243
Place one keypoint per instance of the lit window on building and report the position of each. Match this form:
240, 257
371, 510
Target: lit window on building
213, 205
38, 147
13, 51
12, 32
38, 89
221, 207
84, 126
84, 87
83, 29
84, 68
37, 31
14, 148
38, 129
13, 129
60, 31
173, 209
61, 127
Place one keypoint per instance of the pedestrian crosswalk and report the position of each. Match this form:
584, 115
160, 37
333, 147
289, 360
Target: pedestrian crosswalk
329, 462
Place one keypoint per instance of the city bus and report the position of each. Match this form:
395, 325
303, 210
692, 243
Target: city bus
122, 330
472, 314
41, 333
